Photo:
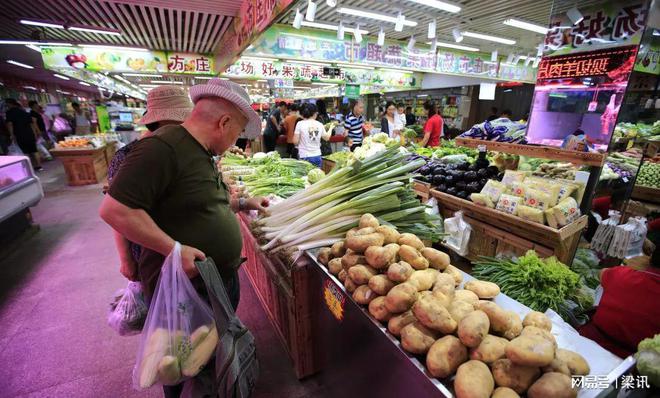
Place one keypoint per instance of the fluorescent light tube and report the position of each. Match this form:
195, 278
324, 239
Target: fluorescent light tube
374, 15
60, 77
455, 46
327, 26
141, 75
166, 82
34, 43
102, 31
42, 23
489, 38
440, 5
104, 47
516, 23
84, 84
11, 61
33, 47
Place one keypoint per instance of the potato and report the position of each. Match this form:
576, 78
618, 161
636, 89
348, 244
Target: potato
431, 313
530, 350
423, 279
576, 363
351, 232
400, 321
499, 318
363, 295
360, 243
361, 274
536, 331
401, 297
324, 255
411, 240
444, 283
368, 220
351, 259
442, 298
335, 267
380, 257
410, 255
437, 259
552, 385
519, 378
490, 350
515, 326
380, 284
455, 273
342, 275
504, 392
338, 249
391, 235
399, 272
557, 365
483, 289
465, 295
417, 338
365, 231
473, 328
349, 284
445, 356
459, 309
538, 319
473, 380
377, 309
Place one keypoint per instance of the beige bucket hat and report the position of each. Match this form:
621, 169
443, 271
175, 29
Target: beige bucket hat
167, 103
233, 93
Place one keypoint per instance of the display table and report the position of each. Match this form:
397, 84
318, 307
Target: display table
285, 294
85, 166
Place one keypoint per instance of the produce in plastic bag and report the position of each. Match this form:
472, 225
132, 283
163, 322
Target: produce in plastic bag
566, 212
511, 176
493, 189
459, 233
482, 199
128, 311
531, 214
509, 204
179, 335
537, 199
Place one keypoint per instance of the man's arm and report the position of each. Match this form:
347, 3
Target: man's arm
10, 129
425, 140
275, 123
127, 266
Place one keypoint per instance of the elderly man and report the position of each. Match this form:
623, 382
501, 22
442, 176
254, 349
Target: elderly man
169, 189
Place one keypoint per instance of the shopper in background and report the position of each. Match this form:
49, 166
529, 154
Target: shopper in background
289, 125
82, 121
308, 135
324, 118
506, 114
274, 126
493, 114
433, 126
37, 118
391, 124
354, 124
401, 113
410, 117
23, 131
165, 106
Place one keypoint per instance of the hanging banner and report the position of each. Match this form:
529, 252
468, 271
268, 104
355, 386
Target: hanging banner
648, 59
614, 23
190, 63
352, 91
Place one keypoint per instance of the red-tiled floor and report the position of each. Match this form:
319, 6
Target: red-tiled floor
54, 291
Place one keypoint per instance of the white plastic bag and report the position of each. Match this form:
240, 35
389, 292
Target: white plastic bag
14, 150
459, 233
128, 311
42, 149
179, 335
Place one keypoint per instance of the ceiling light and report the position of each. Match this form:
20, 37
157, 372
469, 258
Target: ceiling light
122, 79
297, 20
113, 47
331, 3
165, 82
204, 77
340, 31
33, 47
489, 38
357, 35
458, 37
381, 37
327, 26
431, 32
455, 46
493, 56
84, 84
574, 15
311, 11
400, 19
42, 23
11, 61
34, 43
374, 15
141, 75
440, 5
411, 43
516, 23
30, 87
102, 31
60, 76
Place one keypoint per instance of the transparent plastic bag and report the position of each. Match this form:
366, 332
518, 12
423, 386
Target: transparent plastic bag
179, 335
128, 311
459, 233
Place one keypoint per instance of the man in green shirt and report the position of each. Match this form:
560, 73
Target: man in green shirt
169, 189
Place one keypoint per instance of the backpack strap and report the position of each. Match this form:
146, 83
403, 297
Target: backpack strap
224, 313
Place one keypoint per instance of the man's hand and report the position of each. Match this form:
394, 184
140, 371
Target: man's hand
129, 270
188, 257
258, 203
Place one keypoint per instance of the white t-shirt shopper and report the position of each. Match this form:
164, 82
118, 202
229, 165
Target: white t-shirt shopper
308, 134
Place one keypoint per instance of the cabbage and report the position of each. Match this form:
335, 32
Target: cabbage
648, 359
314, 175
259, 155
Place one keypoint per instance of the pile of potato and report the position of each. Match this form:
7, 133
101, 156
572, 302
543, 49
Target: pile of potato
415, 290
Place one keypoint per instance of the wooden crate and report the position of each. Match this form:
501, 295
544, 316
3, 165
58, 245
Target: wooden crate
84, 166
285, 295
646, 194
510, 233
423, 190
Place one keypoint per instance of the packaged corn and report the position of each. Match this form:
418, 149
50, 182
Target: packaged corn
518, 189
509, 204
550, 218
546, 185
537, 199
511, 177
566, 212
482, 199
493, 189
531, 214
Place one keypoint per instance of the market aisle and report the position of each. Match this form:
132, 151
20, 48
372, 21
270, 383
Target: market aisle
54, 292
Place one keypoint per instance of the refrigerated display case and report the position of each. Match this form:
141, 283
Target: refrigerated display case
19, 190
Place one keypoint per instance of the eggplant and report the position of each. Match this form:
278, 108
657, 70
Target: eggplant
463, 166
425, 170
499, 177
450, 180
483, 182
438, 170
493, 171
452, 191
470, 176
473, 167
459, 175
437, 179
422, 178
473, 187
461, 185
482, 163
450, 167
482, 173
462, 194
442, 188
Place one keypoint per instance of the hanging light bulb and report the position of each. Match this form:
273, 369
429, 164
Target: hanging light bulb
311, 11
381, 37
493, 56
400, 19
458, 37
297, 20
432, 26
340, 31
357, 35
411, 43
331, 3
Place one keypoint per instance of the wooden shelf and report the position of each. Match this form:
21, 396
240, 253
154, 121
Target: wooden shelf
646, 194
544, 152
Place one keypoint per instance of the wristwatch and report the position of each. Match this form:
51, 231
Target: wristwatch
242, 202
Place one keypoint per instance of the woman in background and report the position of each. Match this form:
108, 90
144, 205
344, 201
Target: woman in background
308, 135
433, 126
390, 124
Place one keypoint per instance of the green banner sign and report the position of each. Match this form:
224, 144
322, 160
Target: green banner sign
352, 91
103, 118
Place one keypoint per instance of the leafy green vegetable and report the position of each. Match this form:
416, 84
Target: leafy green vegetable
315, 175
648, 359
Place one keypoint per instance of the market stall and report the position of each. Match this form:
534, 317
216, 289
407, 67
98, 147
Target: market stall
84, 162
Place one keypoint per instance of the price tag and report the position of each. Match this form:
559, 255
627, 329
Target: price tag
481, 148
625, 179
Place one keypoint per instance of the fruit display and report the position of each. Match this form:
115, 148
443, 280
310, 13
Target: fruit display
649, 175
455, 327
74, 143
637, 130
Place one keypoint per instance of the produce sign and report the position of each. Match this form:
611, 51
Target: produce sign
453, 327
334, 300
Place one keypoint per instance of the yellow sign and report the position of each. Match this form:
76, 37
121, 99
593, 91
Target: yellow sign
334, 299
